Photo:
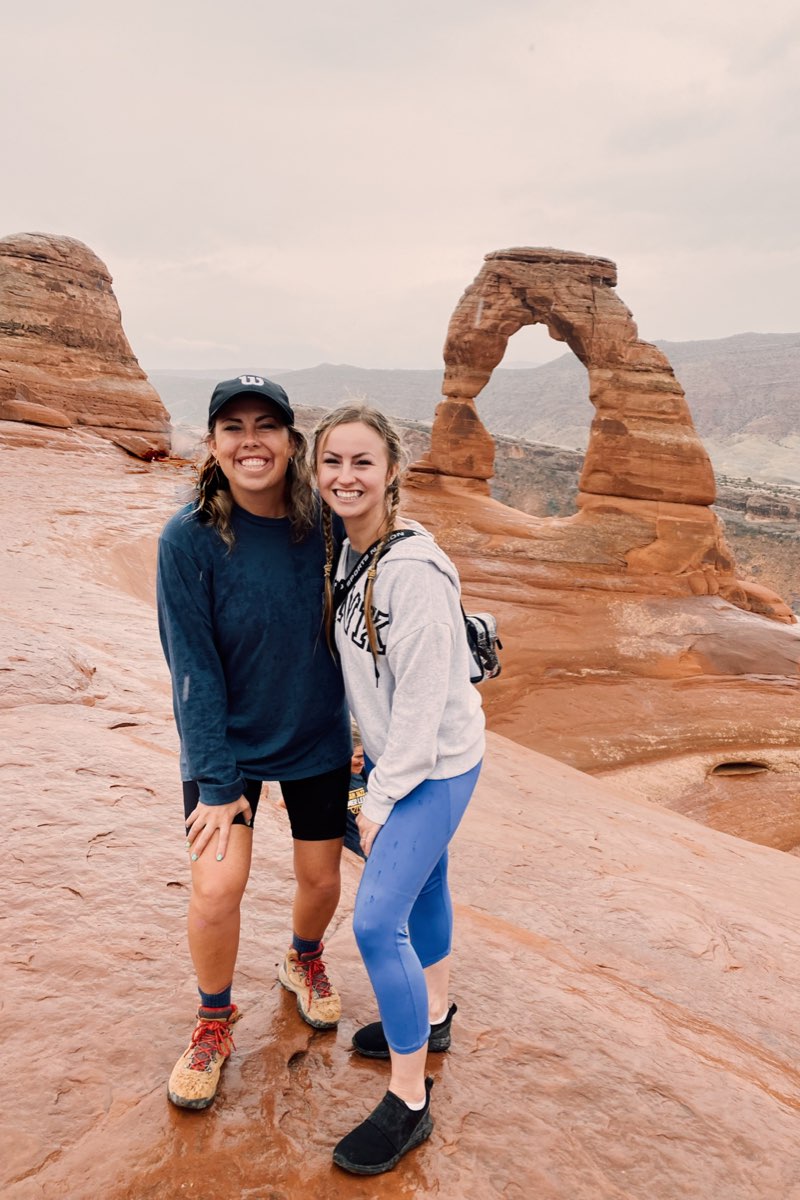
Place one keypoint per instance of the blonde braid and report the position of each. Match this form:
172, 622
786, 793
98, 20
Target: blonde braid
394, 503
327, 615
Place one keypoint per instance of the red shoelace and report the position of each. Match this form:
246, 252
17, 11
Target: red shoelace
316, 978
208, 1039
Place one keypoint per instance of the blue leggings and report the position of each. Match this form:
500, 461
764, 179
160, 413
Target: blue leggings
403, 918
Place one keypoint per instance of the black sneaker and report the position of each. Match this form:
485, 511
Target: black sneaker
371, 1041
389, 1132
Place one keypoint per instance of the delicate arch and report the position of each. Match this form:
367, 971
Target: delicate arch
643, 444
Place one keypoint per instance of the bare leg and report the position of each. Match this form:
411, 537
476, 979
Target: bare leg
317, 871
408, 1075
217, 890
408, 1070
437, 978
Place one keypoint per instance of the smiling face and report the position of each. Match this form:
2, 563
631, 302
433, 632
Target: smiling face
252, 445
353, 474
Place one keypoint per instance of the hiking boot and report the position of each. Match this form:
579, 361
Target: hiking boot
317, 999
389, 1132
195, 1076
371, 1040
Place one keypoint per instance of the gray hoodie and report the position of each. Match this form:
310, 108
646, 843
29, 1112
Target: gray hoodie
422, 719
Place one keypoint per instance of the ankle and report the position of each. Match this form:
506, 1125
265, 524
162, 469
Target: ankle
213, 1000
413, 1098
438, 1014
305, 945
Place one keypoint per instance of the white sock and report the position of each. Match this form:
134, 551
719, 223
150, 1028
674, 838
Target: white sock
418, 1107
438, 1020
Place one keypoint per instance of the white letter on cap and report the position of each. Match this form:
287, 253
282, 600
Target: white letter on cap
251, 380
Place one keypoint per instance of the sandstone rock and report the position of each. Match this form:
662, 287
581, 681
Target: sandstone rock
766, 506
33, 414
646, 481
63, 350
643, 443
750, 792
648, 960
459, 439
759, 599
38, 669
15, 406
612, 667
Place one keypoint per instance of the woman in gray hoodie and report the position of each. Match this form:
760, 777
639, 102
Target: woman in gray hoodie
393, 608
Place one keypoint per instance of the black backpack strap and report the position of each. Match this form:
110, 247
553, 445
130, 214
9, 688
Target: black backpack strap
343, 586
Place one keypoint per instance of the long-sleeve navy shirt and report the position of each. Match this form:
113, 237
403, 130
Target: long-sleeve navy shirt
256, 693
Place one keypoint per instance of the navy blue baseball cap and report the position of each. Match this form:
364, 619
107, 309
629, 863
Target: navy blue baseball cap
249, 385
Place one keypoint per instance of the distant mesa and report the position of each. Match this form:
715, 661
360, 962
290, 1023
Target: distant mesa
65, 361
647, 483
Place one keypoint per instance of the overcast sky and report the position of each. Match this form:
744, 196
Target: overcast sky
278, 185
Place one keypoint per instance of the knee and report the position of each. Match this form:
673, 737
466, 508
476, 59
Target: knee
323, 886
215, 900
372, 930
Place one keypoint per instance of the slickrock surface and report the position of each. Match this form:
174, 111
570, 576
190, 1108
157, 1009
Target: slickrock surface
614, 673
64, 357
645, 467
626, 977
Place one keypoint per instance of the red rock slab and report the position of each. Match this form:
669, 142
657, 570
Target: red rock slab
626, 977
752, 792
627, 673
613, 545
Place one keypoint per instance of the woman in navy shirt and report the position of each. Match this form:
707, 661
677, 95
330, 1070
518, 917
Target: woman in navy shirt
256, 696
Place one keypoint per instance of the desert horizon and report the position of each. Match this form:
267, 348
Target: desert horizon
742, 391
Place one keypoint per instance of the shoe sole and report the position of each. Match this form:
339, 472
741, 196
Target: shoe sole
420, 1134
433, 1048
182, 1102
284, 982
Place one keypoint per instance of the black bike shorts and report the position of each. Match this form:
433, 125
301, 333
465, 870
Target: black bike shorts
317, 806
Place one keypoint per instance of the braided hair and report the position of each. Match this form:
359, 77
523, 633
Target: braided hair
215, 504
393, 496
327, 609
364, 414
